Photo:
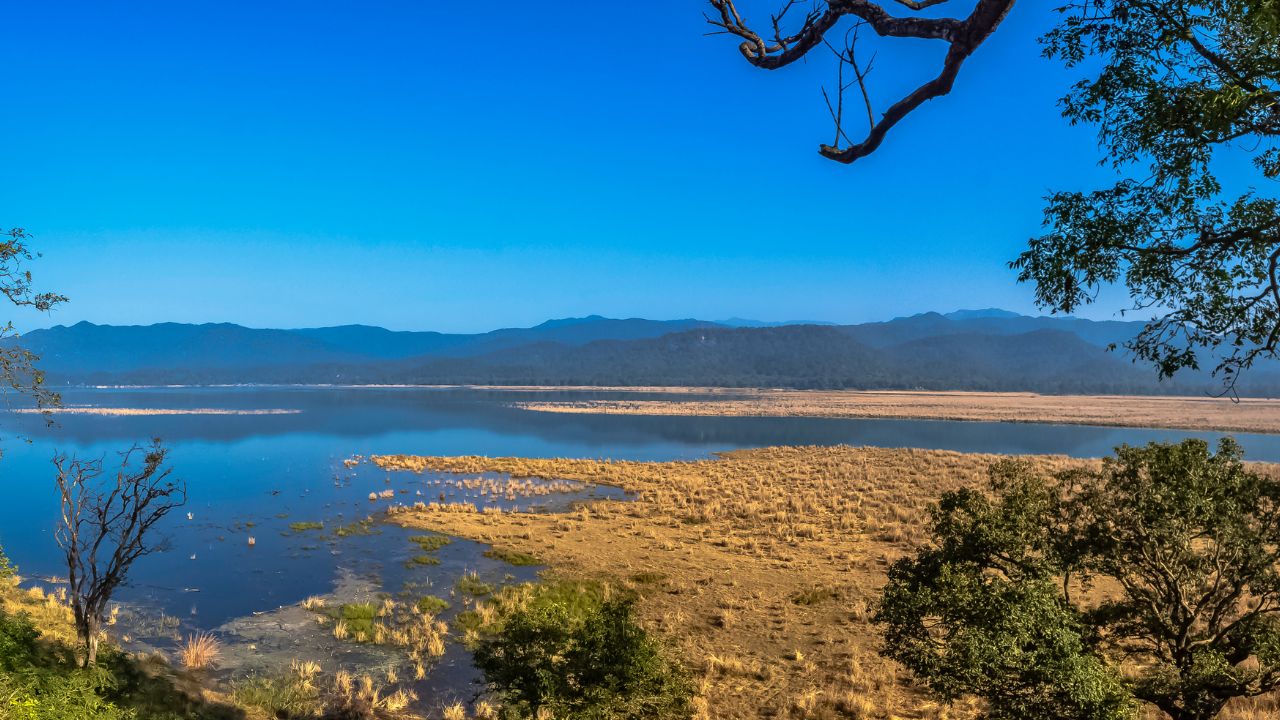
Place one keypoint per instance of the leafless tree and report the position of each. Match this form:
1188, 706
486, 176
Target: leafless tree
778, 47
107, 523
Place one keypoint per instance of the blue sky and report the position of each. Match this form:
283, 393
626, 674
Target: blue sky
427, 165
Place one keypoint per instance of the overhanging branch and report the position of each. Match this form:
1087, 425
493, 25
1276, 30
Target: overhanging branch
963, 36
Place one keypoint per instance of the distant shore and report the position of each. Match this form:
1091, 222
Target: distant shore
1250, 415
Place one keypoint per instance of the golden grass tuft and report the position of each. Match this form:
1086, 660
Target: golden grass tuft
200, 651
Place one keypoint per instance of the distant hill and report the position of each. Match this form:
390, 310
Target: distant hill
749, 323
965, 350
70, 352
980, 314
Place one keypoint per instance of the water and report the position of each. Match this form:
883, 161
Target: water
253, 475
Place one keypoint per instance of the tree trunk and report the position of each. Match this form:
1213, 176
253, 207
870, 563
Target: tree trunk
89, 633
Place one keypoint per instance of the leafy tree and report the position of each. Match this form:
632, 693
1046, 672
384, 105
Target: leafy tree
580, 663
1151, 580
1179, 82
17, 365
107, 524
1171, 84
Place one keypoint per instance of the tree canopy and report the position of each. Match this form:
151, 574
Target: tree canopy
1152, 579
1179, 84
1170, 86
17, 365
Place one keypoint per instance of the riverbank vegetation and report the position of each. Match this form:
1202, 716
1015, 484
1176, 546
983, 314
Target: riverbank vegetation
41, 679
574, 651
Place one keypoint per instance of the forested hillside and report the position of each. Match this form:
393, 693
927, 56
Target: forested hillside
968, 350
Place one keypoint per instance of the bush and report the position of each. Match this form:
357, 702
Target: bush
513, 557
37, 685
1146, 582
40, 680
430, 543
7, 568
580, 663
432, 605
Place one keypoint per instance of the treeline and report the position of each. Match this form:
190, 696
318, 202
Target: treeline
800, 356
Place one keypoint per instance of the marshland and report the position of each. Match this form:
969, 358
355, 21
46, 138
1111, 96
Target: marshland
555, 361
374, 534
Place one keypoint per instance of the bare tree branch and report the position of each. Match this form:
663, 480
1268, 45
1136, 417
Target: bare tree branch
962, 36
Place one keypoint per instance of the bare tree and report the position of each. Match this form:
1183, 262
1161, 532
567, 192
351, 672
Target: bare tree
778, 47
107, 524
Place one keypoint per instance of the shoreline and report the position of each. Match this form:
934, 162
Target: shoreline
1174, 412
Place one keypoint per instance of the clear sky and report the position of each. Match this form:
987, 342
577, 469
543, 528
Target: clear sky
463, 166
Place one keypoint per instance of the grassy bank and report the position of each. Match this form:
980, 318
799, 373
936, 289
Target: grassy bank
761, 566
40, 679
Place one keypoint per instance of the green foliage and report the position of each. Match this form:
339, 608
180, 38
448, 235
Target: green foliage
366, 526
430, 543
1177, 82
470, 584
512, 557
578, 657
422, 560
7, 568
40, 680
359, 618
281, 697
303, 526
1185, 545
432, 605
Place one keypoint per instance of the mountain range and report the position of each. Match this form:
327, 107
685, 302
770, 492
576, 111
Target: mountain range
965, 350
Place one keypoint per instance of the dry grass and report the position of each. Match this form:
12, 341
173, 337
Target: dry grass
761, 565
200, 651
48, 613
1194, 413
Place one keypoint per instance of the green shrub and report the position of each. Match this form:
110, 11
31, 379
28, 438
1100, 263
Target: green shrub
1184, 541
7, 568
359, 618
512, 557
366, 526
283, 697
38, 683
588, 660
430, 543
469, 620
470, 584
432, 605
422, 560
304, 525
